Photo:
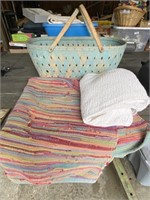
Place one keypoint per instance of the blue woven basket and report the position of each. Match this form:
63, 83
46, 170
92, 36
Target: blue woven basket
74, 56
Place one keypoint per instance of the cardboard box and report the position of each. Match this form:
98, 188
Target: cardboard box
17, 44
21, 37
36, 15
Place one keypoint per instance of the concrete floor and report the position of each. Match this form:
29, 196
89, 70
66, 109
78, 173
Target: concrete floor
108, 186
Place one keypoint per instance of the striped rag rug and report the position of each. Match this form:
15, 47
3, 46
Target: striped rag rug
44, 140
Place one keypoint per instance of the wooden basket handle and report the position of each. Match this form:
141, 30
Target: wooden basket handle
91, 27
64, 29
69, 22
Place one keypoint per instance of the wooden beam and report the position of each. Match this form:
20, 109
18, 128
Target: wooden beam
124, 179
106, 17
22, 21
6, 5
5, 36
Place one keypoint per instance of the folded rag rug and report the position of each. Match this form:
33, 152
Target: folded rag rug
44, 140
111, 98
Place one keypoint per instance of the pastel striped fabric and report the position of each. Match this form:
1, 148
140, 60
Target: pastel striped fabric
133, 138
44, 140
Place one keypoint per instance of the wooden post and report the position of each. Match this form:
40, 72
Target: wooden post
124, 179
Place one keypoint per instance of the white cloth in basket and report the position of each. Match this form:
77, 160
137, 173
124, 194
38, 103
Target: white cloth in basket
111, 98
57, 19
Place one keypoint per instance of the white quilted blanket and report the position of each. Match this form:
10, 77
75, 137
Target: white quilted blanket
111, 98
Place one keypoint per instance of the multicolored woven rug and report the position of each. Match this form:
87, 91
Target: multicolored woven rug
44, 140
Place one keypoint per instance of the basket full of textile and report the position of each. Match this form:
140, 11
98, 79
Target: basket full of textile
128, 15
74, 56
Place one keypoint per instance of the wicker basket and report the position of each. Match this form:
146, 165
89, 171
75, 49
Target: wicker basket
72, 57
128, 15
